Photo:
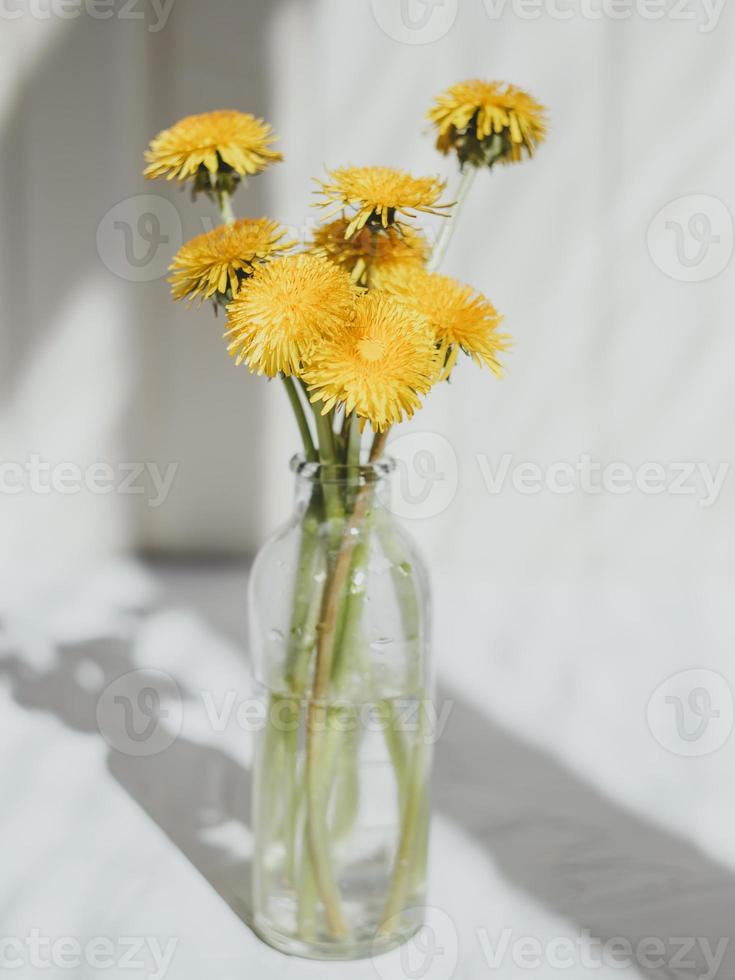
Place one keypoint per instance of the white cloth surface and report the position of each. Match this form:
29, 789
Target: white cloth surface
556, 810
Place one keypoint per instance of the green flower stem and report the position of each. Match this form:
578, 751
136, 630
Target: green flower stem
317, 831
347, 785
445, 235
334, 594
301, 643
357, 538
337, 750
353, 603
269, 791
339, 770
349, 647
403, 583
308, 895
344, 429
306, 606
316, 723
359, 522
418, 868
414, 806
339, 605
405, 592
224, 200
397, 750
340, 788
355, 541
350, 658
308, 597
410, 775
352, 452
300, 416
325, 432
378, 447
328, 457
292, 796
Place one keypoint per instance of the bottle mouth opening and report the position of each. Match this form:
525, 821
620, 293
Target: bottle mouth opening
358, 475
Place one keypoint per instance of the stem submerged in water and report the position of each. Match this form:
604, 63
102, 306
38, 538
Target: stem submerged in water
336, 596
408, 842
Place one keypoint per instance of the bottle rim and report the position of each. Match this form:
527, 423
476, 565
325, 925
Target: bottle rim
364, 473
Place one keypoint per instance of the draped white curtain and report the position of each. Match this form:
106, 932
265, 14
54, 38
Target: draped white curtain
612, 357
559, 615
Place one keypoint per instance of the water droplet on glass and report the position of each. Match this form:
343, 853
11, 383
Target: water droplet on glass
380, 565
276, 635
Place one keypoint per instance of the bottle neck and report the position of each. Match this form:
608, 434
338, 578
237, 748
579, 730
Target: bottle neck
333, 490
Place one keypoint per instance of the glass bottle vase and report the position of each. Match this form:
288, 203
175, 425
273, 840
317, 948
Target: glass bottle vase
339, 634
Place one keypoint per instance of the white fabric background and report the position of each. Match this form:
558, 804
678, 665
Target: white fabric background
612, 357
558, 616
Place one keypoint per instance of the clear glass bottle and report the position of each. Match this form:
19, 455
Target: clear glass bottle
339, 631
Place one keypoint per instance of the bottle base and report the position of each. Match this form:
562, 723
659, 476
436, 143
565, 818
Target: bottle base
349, 949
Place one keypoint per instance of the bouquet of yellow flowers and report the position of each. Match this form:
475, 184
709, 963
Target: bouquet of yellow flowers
358, 325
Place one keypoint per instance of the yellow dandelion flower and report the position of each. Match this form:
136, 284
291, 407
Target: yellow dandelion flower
371, 252
377, 365
488, 122
215, 149
461, 318
285, 310
215, 263
378, 194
